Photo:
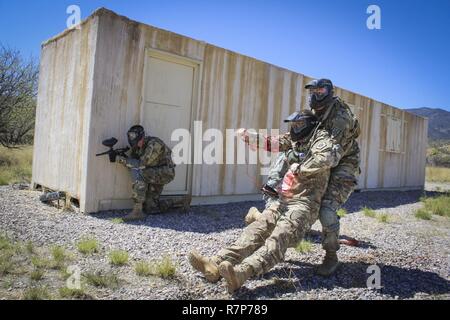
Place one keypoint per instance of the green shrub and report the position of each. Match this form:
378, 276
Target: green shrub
369, 212
87, 246
65, 292
36, 293
41, 262
118, 257
164, 268
37, 274
5, 243
98, 279
383, 217
423, 214
143, 269
59, 256
6, 264
29, 247
439, 206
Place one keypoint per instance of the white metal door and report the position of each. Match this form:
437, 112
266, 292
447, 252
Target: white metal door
168, 90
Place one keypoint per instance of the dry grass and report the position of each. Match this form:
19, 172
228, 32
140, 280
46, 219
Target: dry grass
87, 246
67, 293
423, 214
163, 268
118, 257
341, 213
102, 280
439, 206
437, 174
36, 293
143, 269
37, 274
304, 246
383, 217
15, 165
369, 212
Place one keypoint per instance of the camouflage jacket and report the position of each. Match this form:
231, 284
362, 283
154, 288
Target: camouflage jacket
154, 153
343, 128
307, 181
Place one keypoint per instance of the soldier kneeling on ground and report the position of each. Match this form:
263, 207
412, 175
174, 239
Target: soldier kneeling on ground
151, 167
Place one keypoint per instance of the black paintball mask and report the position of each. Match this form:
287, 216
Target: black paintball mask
135, 134
320, 93
301, 124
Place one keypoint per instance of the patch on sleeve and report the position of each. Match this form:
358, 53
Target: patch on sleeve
320, 146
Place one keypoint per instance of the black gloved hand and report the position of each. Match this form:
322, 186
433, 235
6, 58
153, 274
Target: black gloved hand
269, 191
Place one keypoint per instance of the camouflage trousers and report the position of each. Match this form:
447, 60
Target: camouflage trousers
264, 242
343, 180
148, 185
342, 183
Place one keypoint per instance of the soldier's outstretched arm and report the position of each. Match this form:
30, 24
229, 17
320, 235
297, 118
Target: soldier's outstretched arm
278, 143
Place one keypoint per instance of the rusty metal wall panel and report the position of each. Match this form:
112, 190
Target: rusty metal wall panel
118, 85
63, 105
238, 91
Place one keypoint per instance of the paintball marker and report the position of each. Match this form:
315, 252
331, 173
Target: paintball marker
113, 153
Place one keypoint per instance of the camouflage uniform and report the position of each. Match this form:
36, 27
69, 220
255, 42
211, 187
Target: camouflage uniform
264, 242
153, 170
343, 128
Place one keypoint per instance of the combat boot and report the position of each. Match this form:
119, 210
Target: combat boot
207, 266
235, 276
252, 215
136, 214
329, 264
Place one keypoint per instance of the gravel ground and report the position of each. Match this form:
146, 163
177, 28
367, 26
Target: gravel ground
413, 255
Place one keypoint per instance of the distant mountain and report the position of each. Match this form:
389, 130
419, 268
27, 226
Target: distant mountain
438, 122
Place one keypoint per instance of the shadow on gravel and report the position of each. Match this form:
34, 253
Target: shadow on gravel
385, 199
201, 219
398, 282
217, 218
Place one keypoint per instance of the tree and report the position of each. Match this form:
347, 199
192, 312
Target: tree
18, 91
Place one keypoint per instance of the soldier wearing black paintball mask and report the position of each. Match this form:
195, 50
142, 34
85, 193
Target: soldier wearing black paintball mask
151, 166
291, 150
336, 117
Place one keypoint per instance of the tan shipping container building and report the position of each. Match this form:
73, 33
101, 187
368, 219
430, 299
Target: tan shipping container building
98, 79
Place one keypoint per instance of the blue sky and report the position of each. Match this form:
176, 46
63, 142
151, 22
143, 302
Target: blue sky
405, 64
